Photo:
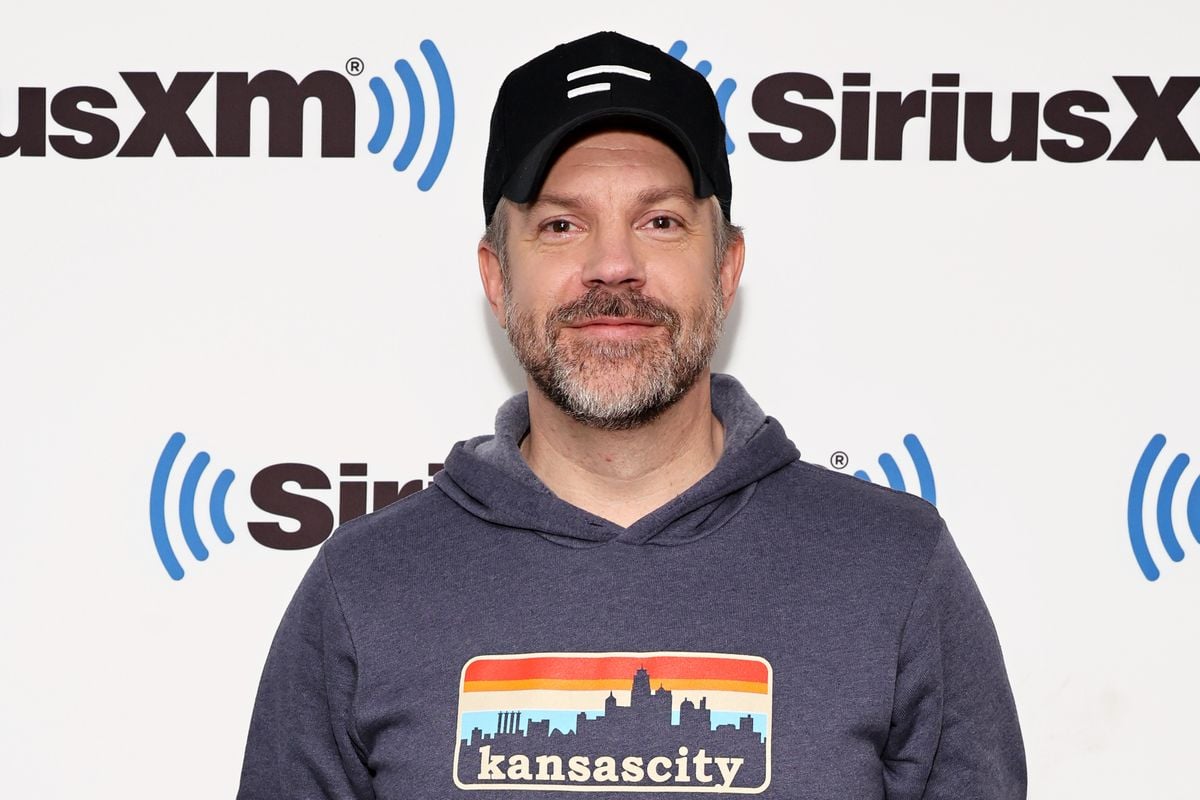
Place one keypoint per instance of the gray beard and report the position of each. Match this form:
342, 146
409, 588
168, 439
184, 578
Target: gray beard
662, 372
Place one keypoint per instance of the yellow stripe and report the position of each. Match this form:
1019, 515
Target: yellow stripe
550, 699
693, 684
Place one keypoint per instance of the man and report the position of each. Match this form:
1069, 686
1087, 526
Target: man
634, 585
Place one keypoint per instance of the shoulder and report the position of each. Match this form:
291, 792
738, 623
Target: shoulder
854, 520
836, 495
415, 527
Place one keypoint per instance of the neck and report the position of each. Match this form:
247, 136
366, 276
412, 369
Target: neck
624, 475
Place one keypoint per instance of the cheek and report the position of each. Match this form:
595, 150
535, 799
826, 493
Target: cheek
526, 308
543, 296
699, 292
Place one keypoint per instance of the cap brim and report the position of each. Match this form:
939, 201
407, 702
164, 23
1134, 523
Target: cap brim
527, 179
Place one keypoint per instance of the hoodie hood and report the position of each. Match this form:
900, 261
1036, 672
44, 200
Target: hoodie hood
489, 478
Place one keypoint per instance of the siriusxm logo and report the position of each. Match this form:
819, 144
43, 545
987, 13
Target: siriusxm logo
273, 488
1068, 126
416, 115
186, 507
168, 115
891, 469
1164, 506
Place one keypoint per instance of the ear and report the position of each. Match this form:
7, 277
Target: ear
493, 280
731, 270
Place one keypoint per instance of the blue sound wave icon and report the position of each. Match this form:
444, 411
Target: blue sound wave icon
187, 506
416, 116
891, 469
1163, 507
723, 91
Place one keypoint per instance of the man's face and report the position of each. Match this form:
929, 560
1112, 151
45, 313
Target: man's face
614, 300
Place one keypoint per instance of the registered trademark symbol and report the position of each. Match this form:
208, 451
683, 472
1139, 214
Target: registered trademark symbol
355, 66
839, 460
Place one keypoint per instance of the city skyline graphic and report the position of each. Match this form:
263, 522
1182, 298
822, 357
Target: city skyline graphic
615, 722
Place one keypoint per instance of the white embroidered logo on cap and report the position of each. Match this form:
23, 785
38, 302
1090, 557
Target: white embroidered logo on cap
601, 69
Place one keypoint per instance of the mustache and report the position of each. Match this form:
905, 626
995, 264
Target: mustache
599, 302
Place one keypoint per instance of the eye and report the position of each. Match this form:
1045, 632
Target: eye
558, 226
662, 223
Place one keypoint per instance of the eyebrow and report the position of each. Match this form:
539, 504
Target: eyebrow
651, 196
564, 200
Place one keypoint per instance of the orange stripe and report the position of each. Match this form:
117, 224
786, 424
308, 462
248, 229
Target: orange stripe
562, 684
617, 668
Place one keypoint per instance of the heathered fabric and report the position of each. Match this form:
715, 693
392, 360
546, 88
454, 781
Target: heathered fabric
884, 677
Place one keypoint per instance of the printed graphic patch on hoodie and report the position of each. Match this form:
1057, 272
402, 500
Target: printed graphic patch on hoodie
610, 722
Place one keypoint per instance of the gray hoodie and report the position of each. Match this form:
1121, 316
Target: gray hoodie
777, 629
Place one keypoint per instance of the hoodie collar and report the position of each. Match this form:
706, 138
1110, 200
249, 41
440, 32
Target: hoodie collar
489, 477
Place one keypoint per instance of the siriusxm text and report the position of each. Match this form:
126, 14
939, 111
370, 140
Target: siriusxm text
1068, 126
166, 116
299, 492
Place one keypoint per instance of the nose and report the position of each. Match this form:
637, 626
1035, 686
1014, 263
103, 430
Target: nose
613, 259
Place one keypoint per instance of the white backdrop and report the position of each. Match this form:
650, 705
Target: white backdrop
1033, 323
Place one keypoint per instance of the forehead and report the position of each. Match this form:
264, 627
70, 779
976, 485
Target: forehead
614, 161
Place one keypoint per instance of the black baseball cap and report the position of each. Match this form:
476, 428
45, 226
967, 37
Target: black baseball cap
602, 80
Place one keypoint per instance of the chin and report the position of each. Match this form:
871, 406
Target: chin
618, 401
